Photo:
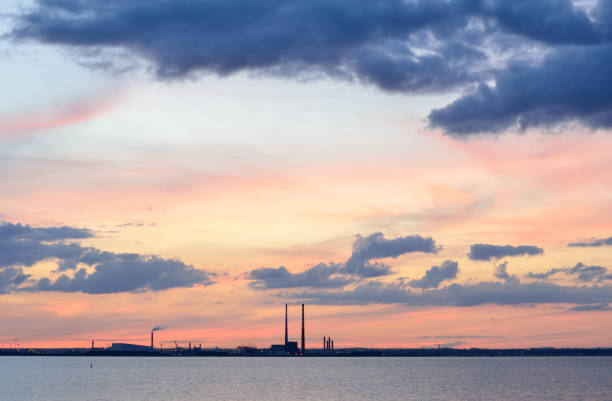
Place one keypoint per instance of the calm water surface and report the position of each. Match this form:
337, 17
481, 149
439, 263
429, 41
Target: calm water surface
178, 379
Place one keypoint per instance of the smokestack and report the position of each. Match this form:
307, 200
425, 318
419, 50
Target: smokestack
303, 339
151, 341
286, 331
323, 343
332, 347
328, 340
92, 344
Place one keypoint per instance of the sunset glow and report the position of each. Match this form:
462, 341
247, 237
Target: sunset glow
201, 190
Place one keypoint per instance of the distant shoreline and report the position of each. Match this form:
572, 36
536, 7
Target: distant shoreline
341, 353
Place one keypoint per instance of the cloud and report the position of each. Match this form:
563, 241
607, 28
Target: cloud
376, 246
94, 271
126, 274
570, 84
501, 273
457, 337
596, 307
396, 45
553, 22
460, 295
83, 109
511, 291
436, 275
360, 40
10, 278
595, 242
366, 270
490, 252
317, 276
358, 266
19, 231
16, 252
582, 272
452, 344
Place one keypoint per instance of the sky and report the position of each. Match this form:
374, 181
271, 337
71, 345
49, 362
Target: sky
418, 173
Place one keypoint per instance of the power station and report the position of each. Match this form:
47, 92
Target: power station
290, 348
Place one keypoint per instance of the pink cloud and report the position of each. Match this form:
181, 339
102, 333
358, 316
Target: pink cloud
78, 110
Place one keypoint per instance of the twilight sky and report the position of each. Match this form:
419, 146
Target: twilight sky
417, 172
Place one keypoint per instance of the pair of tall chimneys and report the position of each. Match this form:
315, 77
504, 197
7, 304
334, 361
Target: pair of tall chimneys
303, 343
329, 345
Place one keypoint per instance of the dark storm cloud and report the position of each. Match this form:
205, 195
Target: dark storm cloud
571, 83
581, 271
491, 252
462, 295
397, 45
549, 21
595, 242
341, 38
436, 275
95, 271
358, 266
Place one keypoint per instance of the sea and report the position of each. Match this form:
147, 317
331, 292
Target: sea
30, 378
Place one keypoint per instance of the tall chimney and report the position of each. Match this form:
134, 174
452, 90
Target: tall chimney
303, 339
332, 346
323, 343
286, 332
328, 340
92, 344
151, 341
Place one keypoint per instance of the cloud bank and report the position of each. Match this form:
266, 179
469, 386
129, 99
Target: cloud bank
319, 276
328, 288
461, 295
581, 271
335, 284
84, 269
595, 242
396, 45
358, 266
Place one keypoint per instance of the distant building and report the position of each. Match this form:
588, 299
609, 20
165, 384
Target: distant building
290, 348
123, 347
283, 350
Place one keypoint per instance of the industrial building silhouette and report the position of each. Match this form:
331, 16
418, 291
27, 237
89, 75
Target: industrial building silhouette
289, 348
